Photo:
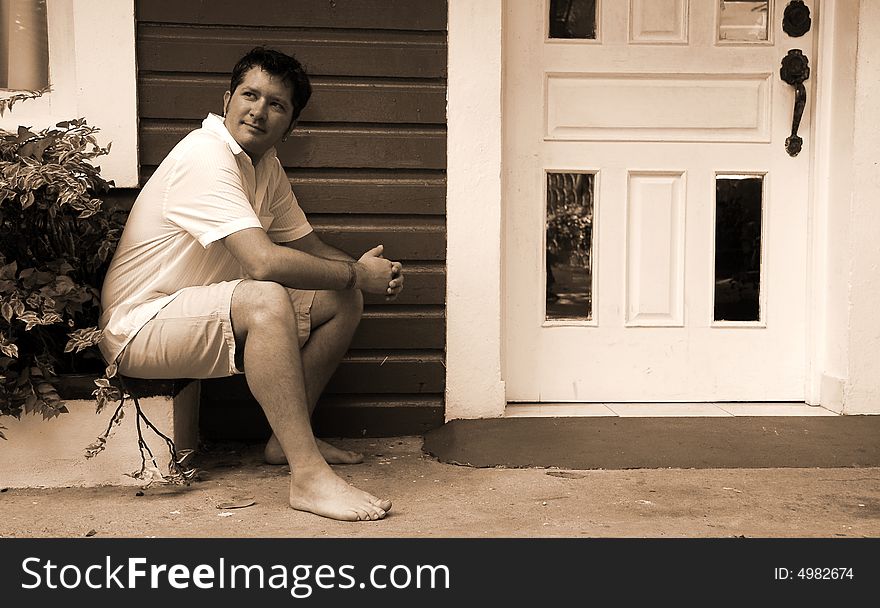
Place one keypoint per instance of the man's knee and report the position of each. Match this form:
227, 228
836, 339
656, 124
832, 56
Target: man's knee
351, 303
260, 303
346, 304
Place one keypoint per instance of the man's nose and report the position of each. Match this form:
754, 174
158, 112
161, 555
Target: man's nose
258, 108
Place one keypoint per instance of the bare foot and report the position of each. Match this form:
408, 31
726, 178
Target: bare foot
333, 455
324, 493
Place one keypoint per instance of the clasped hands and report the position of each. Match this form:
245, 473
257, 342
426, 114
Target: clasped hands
378, 275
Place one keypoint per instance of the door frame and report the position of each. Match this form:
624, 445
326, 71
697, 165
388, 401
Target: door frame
475, 338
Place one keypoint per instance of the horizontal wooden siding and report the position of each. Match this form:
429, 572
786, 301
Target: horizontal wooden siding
367, 163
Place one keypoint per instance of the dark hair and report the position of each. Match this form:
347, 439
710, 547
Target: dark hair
280, 65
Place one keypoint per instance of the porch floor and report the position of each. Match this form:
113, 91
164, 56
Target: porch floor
435, 499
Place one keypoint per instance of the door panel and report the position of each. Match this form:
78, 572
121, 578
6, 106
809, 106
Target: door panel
678, 114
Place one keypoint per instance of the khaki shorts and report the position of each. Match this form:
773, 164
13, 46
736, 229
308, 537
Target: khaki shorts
192, 336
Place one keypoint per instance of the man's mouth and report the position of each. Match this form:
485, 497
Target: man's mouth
254, 127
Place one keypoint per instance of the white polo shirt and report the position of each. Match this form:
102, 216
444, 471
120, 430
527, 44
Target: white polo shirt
205, 189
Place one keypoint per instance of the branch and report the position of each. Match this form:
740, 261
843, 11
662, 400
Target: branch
178, 473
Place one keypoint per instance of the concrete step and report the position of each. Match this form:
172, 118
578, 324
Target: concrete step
51, 453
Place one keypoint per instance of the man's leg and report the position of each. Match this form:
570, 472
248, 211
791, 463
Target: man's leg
334, 318
264, 321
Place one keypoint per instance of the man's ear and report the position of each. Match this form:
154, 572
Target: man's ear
289, 130
226, 97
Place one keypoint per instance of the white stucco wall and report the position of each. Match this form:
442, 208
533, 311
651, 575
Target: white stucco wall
92, 73
862, 386
473, 291
833, 189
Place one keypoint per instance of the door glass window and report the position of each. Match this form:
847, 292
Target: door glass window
573, 19
743, 20
569, 246
24, 45
738, 203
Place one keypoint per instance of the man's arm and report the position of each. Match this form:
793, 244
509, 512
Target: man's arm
313, 245
263, 260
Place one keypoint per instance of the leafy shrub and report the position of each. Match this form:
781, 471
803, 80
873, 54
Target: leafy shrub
55, 241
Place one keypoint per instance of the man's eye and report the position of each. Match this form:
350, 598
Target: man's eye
248, 94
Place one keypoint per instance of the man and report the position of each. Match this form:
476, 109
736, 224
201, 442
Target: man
218, 272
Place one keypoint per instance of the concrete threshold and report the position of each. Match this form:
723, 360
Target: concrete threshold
662, 442
660, 410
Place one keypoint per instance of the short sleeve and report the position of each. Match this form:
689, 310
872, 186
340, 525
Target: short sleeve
204, 194
289, 221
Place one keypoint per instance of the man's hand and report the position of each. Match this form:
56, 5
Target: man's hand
374, 273
395, 286
378, 275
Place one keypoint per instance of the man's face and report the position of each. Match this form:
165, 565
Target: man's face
258, 112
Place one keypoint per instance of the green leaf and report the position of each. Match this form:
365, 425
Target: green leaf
24, 133
63, 284
44, 388
8, 271
30, 403
96, 448
6, 310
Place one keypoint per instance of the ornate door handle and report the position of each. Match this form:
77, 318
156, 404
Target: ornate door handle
794, 71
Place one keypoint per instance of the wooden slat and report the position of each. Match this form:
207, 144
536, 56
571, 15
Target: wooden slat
341, 192
191, 97
320, 58
312, 146
401, 327
361, 14
356, 415
365, 147
403, 239
399, 245
364, 54
366, 416
234, 389
392, 371
398, 371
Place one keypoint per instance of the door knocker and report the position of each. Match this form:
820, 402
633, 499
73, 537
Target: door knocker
794, 71
796, 19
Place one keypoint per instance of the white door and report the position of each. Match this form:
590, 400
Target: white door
656, 227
